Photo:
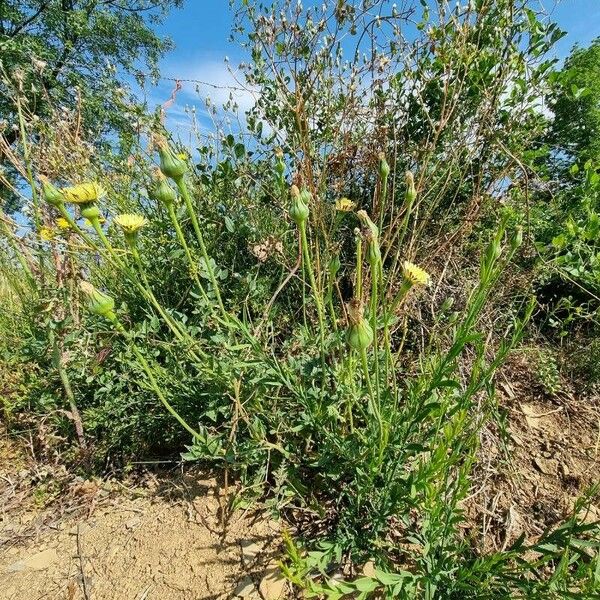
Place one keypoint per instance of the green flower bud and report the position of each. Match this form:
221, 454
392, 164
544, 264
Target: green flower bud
160, 190
517, 239
172, 165
384, 168
371, 237
52, 195
90, 211
359, 335
299, 210
97, 302
411, 192
279, 164
334, 265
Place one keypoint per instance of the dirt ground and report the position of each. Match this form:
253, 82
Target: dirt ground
530, 475
161, 536
161, 539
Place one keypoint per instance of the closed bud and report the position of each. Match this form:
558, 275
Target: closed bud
91, 212
371, 237
52, 195
299, 210
517, 239
384, 167
172, 165
453, 318
359, 335
97, 302
279, 163
411, 192
160, 190
447, 304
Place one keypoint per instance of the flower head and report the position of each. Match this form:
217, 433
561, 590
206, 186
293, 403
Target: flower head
98, 302
415, 275
345, 205
130, 223
84, 193
47, 233
62, 223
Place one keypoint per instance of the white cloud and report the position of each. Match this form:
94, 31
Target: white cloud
203, 79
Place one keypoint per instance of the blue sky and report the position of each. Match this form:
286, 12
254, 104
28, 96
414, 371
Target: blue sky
201, 32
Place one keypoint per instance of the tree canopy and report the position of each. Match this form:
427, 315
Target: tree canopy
576, 107
71, 53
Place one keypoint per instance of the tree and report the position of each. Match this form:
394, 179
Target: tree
575, 132
76, 53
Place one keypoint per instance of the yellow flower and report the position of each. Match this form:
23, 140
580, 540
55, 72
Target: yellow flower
62, 223
414, 274
130, 223
47, 233
84, 193
345, 205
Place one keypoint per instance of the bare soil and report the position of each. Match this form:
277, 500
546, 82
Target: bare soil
165, 536
163, 539
532, 471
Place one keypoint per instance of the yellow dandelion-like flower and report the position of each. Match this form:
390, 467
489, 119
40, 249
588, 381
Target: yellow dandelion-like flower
130, 223
62, 223
47, 233
345, 205
414, 274
84, 193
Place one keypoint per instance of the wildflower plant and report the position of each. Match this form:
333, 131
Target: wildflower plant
321, 377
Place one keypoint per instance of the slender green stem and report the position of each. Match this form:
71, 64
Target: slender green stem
182, 187
315, 291
373, 315
188, 253
384, 181
358, 291
66, 383
374, 405
153, 383
365, 366
116, 261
